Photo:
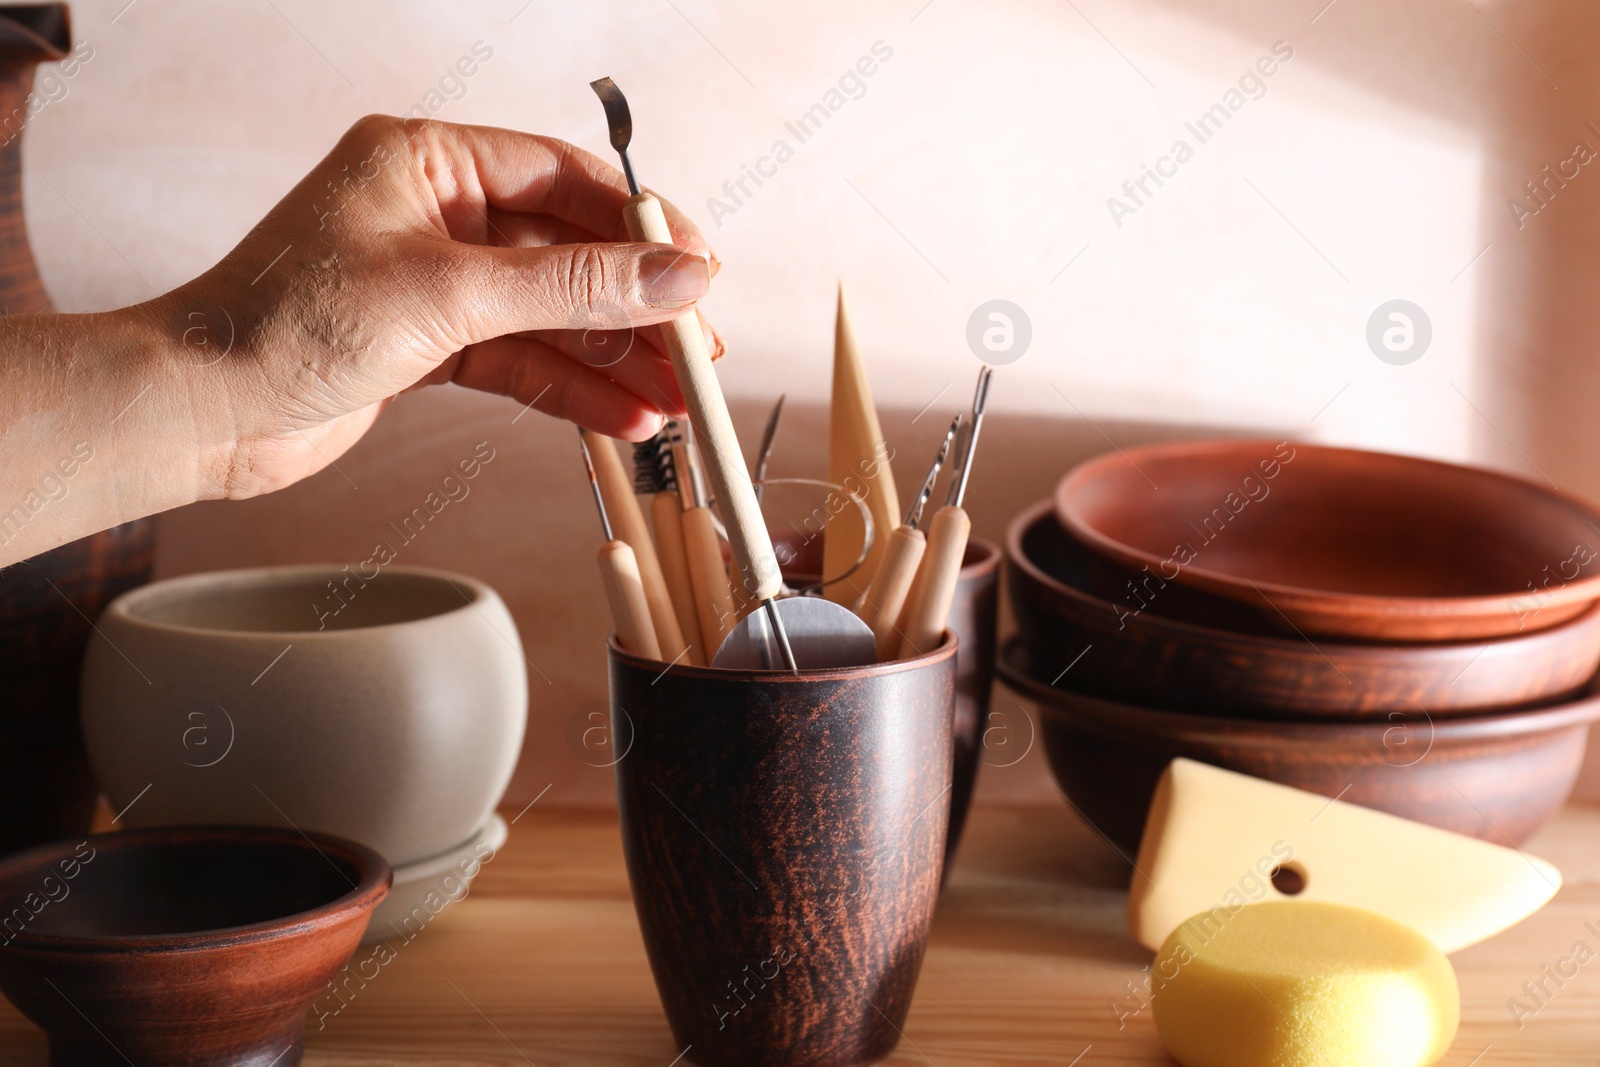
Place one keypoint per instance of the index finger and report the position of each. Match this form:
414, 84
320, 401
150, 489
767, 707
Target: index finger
533, 174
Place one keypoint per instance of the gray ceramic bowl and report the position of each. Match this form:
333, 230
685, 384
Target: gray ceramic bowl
388, 710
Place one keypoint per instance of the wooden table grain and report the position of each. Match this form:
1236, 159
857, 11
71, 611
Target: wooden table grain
1028, 963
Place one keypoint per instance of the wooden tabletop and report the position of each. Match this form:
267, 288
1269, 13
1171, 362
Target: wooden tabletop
543, 963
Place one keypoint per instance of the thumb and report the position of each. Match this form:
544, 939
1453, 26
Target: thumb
603, 285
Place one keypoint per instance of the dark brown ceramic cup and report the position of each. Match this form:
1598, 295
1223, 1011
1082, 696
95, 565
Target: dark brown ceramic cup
785, 837
974, 619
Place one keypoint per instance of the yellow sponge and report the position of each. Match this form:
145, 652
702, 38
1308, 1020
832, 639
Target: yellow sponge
1303, 984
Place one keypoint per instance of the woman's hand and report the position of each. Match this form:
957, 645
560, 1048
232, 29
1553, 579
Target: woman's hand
422, 252
418, 252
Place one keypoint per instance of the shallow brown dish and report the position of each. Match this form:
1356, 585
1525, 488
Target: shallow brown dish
1498, 777
1161, 645
185, 946
1340, 542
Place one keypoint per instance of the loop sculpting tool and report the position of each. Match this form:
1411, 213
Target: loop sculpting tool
782, 634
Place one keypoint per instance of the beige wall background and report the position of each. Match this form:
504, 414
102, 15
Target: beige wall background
975, 163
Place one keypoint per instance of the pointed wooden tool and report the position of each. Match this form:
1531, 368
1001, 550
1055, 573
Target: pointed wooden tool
858, 459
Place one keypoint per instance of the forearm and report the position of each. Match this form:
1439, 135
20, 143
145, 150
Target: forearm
98, 426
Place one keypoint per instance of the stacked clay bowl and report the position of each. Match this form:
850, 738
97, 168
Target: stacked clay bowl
1411, 636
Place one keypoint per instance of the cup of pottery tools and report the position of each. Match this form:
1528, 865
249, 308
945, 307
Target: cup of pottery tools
785, 836
975, 621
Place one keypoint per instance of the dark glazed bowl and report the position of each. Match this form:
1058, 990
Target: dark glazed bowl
784, 836
1189, 650
186, 946
1341, 542
1498, 777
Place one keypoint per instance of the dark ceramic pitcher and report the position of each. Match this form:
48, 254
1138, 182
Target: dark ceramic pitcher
47, 602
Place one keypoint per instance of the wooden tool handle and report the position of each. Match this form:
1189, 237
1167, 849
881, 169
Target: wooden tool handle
630, 613
713, 600
627, 523
881, 604
928, 605
755, 565
666, 515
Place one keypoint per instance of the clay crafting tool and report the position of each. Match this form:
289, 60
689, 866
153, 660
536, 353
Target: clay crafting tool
880, 605
710, 593
858, 459
969, 441
783, 634
619, 573
928, 603
764, 452
616, 488
655, 476
1217, 839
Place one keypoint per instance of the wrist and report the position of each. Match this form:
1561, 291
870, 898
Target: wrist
166, 400
185, 350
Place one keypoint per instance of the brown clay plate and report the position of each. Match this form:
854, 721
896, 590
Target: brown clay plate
1341, 542
1499, 777
1159, 645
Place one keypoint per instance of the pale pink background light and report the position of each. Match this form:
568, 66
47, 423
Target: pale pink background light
976, 164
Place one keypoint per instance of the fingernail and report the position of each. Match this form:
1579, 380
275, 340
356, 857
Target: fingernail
714, 344
672, 279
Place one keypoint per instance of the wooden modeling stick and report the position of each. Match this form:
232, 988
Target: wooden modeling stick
885, 597
755, 566
702, 549
833, 635
627, 518
857, 458
656, 476
619, 574
928, 604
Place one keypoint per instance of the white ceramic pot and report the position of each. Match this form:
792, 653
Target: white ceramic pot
423, 889
387, 710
